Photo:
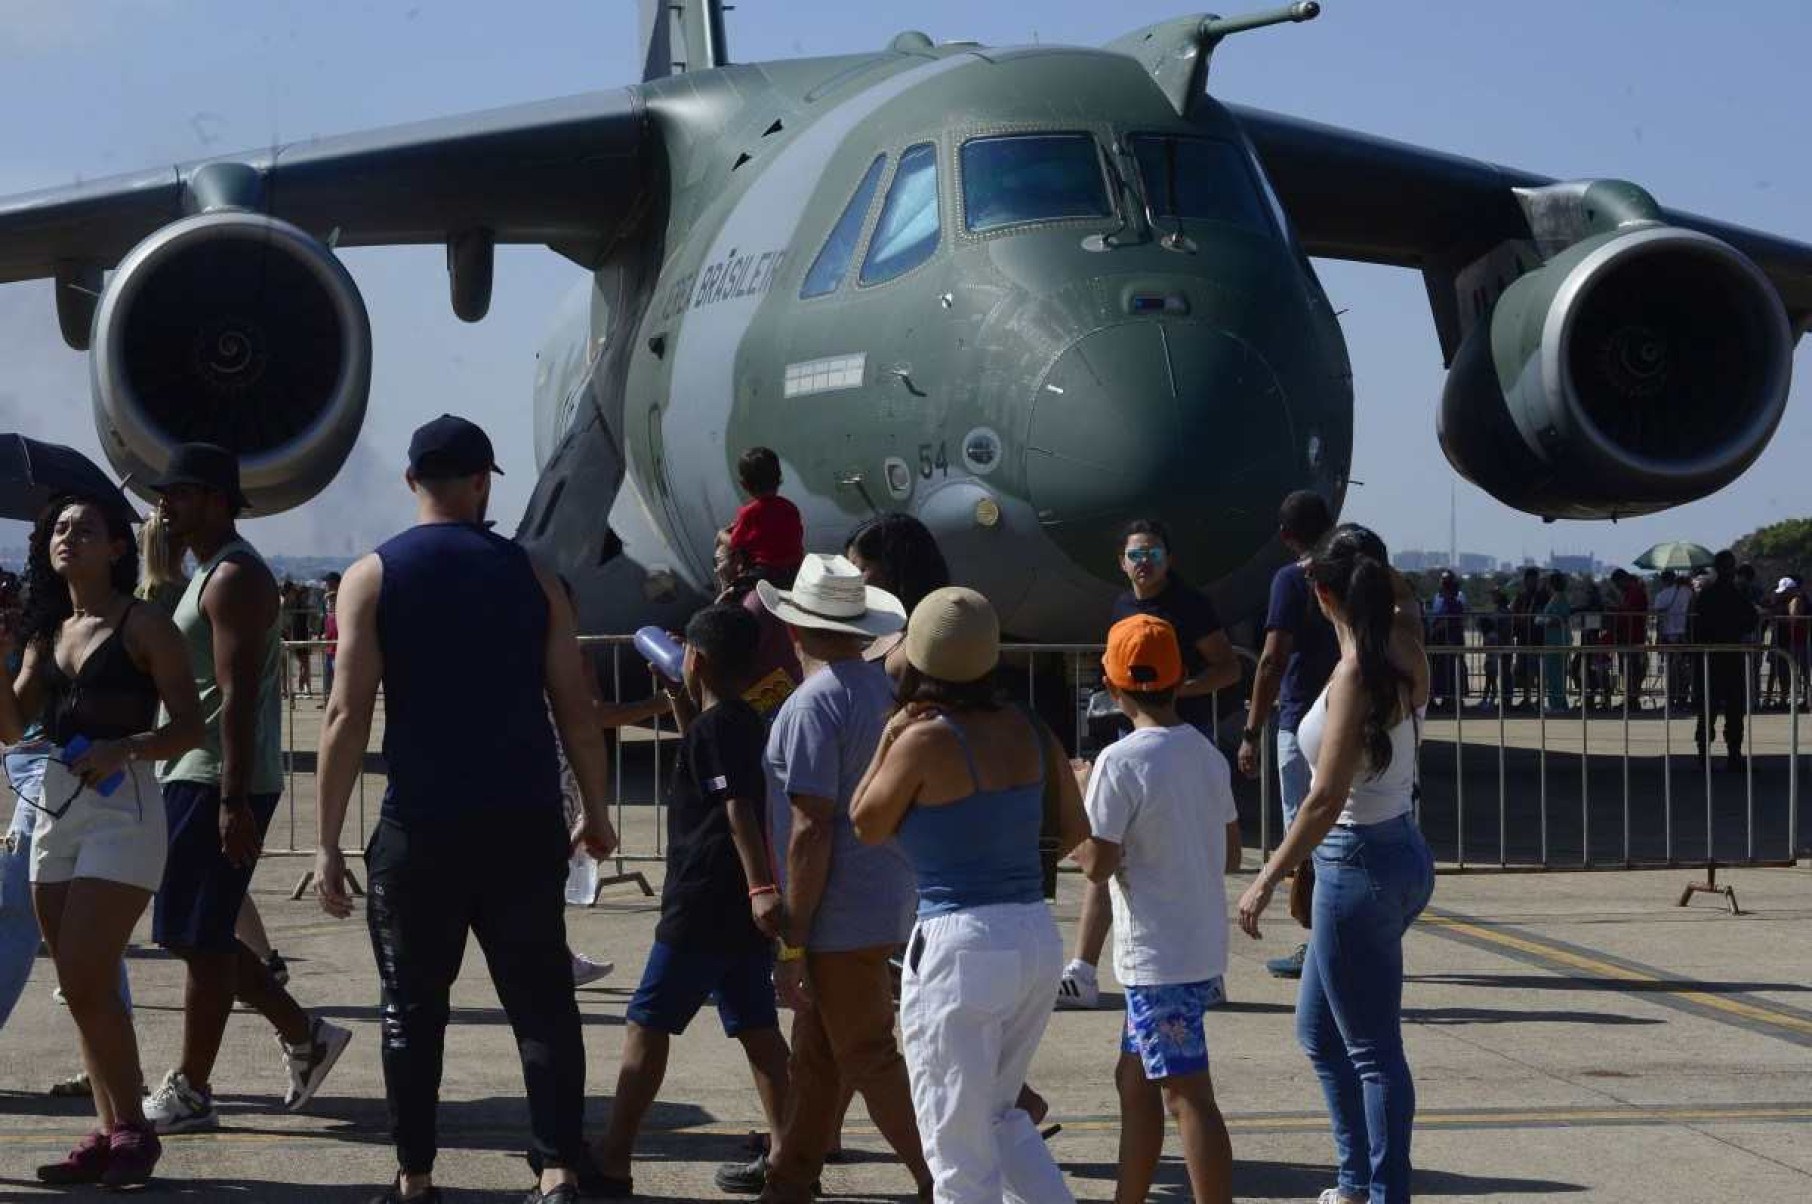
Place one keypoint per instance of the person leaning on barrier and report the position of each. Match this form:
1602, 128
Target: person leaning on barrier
471, 837
1208, 657
1721, 615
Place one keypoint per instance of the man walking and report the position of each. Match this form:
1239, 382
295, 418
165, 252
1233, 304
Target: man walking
847, 906
1300, 653
220, 796
471, 641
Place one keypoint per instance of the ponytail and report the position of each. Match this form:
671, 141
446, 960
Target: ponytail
1352, 565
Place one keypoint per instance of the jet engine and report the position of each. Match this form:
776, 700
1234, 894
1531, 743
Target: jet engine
1636, 370
234, 328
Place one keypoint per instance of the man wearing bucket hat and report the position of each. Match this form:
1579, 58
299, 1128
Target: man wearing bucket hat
848, 907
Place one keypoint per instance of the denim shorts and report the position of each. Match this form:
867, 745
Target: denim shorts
1164, 1026
678, 982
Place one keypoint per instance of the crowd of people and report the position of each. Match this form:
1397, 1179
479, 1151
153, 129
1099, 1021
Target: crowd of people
1604, 645
856, 810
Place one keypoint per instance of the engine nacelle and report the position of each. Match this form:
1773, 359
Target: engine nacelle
238, 329
1636, 370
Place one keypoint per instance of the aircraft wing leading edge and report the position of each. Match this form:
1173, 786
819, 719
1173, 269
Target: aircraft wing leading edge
566, 173
1353, 196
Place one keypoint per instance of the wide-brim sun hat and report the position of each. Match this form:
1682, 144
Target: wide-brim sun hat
954, 636
829, 594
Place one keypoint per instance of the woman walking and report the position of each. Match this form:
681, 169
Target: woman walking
1373, 871
962, 781
95, 667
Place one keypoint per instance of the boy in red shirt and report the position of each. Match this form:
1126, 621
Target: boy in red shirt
767, 531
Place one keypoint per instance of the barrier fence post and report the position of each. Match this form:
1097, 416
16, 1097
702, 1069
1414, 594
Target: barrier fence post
1503, 803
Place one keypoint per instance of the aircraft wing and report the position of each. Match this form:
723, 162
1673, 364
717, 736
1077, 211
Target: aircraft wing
1354, 196
566, 173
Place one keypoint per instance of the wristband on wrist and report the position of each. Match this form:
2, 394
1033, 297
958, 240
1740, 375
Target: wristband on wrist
769, 889
1251, 734
791, 953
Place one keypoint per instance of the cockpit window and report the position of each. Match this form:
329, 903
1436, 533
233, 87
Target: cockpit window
1031, 178
840, 247
907, 233
1198, 179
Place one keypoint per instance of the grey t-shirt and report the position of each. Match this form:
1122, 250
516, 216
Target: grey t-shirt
820, 744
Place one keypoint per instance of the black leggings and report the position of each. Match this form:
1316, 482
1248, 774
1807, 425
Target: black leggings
504, 880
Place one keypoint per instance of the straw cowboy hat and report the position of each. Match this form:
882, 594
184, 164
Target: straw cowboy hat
829, 595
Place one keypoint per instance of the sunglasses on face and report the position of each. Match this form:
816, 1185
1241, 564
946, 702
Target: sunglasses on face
1145, 555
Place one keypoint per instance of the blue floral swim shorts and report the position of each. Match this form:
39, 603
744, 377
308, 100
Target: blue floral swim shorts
1164, 1026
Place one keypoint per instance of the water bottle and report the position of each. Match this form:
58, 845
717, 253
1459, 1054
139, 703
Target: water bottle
73, 751
667, 657
581, 879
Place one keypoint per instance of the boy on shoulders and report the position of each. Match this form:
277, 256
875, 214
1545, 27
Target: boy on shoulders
1165, 850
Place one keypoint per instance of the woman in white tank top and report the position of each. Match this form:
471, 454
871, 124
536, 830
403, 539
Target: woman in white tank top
1373, 870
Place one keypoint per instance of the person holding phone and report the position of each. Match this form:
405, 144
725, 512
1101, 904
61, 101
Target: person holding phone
95, 666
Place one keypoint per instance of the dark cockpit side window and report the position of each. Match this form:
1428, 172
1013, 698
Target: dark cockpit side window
1198, 179
907, 233
840, 247
1032, 178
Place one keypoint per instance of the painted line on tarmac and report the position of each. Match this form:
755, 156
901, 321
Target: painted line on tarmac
1739, 1009
1257, 1123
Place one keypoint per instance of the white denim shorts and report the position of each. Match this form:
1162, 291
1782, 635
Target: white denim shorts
120, 837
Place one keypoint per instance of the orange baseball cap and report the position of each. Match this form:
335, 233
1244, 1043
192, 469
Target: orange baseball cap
1143, 655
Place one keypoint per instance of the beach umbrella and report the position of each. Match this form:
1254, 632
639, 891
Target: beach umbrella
1675, 554
33, 472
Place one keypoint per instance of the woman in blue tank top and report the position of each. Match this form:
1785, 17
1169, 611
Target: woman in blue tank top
960, 780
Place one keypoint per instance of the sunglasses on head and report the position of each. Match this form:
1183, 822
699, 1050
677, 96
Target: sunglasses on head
1145, 555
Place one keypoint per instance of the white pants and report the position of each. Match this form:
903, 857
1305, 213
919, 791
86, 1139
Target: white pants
976, 994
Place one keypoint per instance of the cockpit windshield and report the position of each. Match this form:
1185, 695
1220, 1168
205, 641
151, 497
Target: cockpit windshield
1198, 179
1020, 178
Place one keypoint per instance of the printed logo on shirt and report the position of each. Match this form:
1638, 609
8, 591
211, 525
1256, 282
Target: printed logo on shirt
718, 785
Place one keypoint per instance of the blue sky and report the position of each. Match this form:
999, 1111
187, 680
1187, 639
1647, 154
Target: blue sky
1703, 109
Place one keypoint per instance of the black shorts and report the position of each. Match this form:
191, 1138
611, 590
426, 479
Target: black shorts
198, 905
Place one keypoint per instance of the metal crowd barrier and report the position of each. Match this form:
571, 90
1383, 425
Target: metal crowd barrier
1501, 788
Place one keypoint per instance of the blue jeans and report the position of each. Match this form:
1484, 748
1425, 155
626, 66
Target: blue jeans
19, 924
1370, 883
1293, 775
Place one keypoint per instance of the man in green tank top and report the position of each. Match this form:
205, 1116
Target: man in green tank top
219, 798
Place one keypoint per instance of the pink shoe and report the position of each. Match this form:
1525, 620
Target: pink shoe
84, 1164
132, 1154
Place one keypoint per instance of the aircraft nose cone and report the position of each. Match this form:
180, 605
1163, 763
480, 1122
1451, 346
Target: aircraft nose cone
1176, 421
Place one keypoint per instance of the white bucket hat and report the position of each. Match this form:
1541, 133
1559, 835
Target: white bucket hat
829, 595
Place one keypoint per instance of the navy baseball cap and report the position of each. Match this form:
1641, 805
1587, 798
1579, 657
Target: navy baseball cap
450, 446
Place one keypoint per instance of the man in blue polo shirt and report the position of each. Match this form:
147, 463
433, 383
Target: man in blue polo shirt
1300, 654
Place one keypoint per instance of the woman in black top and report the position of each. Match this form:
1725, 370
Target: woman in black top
95, 666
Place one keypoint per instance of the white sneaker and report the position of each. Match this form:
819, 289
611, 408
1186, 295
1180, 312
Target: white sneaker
1078, 989
309, 1062
176, 1107
587, 971
1334, 1195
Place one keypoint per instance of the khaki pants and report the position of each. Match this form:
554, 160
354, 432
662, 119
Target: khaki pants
846, 1037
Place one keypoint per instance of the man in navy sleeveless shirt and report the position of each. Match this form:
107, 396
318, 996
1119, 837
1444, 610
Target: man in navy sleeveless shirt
471, 642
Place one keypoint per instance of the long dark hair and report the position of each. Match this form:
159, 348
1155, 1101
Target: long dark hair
1353, 566
982, 694
45, 603
910, 561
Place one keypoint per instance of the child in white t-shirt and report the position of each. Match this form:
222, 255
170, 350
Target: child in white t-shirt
1160, 805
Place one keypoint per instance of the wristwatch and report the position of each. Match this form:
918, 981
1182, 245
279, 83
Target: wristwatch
791, 953
1252, 734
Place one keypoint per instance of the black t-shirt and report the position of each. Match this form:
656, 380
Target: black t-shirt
1195, 619
705, 902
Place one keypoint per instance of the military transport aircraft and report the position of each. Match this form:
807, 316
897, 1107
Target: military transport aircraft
1023, 293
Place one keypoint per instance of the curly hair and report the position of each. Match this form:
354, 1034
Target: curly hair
46, 598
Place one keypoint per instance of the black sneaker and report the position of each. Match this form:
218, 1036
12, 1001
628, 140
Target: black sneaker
594, 1184
566, 1193
743, 1179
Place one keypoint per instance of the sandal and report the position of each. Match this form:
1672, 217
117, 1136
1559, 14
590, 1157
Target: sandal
76, 1086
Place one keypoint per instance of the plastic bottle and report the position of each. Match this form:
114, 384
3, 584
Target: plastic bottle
581, 879
73, 751
667, 657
